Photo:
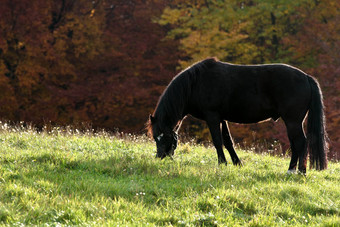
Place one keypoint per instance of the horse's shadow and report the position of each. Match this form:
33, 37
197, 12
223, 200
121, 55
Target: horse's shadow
134, 178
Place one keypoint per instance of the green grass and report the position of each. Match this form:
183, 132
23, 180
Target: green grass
65, 178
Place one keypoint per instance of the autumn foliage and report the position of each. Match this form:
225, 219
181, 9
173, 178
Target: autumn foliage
106, 62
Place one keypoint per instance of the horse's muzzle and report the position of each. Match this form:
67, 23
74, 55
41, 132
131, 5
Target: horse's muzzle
161, 156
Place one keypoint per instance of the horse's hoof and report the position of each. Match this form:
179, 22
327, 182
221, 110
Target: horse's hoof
302, 172
221, 163
239, 163
291, 171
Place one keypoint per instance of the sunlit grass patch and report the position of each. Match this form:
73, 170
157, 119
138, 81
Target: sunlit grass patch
63, 177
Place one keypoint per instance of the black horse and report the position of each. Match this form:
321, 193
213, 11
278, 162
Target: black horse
217, 92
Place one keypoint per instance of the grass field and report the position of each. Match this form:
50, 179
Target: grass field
69, 178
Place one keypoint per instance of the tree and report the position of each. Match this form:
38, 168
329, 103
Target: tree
66, 62
43, 45
316, 47
239, 32
303, 33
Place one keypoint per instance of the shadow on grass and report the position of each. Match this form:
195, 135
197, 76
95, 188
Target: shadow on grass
139, 180
112, 177
128, 175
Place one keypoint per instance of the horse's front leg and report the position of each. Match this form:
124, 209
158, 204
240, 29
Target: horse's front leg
228, 143
213, 122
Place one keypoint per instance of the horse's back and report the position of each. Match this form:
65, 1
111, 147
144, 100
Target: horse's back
252, 93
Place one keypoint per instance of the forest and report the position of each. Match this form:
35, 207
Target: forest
104, 63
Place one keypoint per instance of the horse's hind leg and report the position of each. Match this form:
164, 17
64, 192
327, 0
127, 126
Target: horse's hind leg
228, 143
297, 141
215, 130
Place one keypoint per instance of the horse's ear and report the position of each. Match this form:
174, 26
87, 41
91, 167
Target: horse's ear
152, 119
178, 126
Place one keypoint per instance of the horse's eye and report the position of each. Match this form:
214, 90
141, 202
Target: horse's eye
160, 137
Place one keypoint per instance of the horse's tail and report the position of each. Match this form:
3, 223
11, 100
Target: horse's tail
316, 135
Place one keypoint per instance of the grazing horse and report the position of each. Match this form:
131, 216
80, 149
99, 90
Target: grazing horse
217, 92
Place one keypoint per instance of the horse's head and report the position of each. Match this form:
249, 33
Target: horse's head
166, 139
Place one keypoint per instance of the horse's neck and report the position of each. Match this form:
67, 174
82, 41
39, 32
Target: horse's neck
170, 123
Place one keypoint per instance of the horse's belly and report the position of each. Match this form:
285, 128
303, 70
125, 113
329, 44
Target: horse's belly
250, 115
249, 108
247, 120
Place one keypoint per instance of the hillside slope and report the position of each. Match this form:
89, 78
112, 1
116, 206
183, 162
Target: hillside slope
70, 178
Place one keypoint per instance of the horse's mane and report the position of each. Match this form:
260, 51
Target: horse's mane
170, 106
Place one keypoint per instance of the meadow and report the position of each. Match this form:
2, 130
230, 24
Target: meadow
65, 177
